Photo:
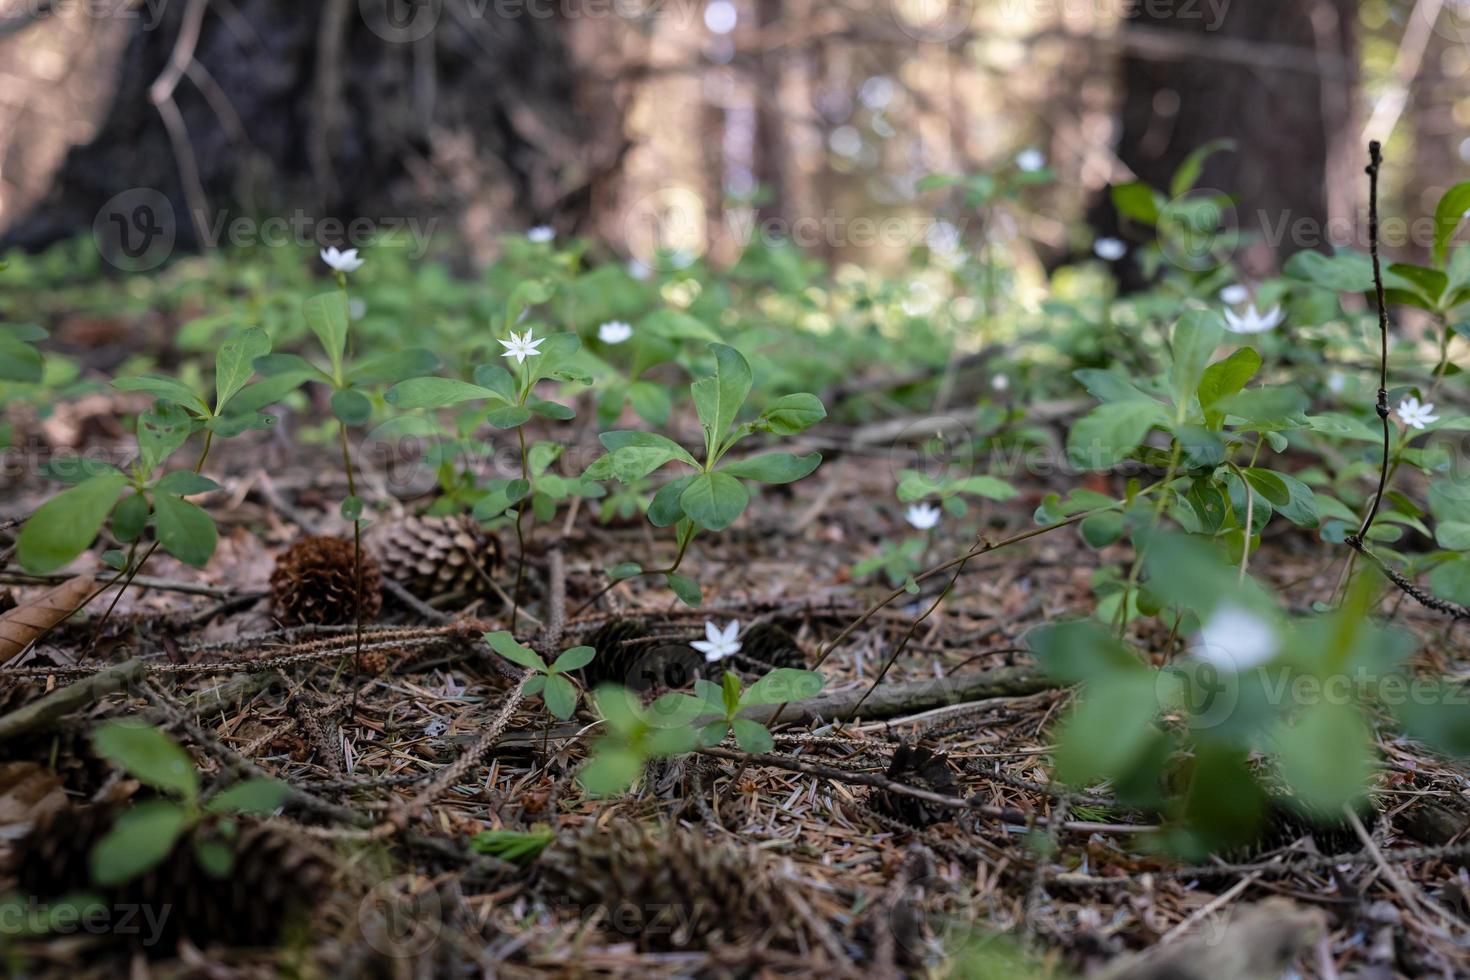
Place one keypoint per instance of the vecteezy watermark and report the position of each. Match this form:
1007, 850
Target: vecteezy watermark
32, 917
1211, 12
1284, 228
401, 917
933, 21
138, 229
406, 21
149, 12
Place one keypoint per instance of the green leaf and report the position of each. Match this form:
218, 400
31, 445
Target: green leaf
1189, 171
1346, 272
1137, 201
1228, 376
391, 366
674, 325
64, 526
717, 399
535, 684
1108, 730
623, 570
497, 379
436, 393
665, 508
714, 500
351, 407
556, 350
130, 518
1326, 757
215, 858
505, 645
185, 483
260, 796
560, 695
1448, 216
166, 389
1196, 336
624, 439
1105, 437
184, 529
508, 416
1273, 405
611, 770
327, 316
235, 363
781, 685
651, 401
773, 467
1101, 530
791, 414
148, 755
520, 847
1081, 650
141, 837
752, 736
686, 588
573, 659
989, 487
20, 361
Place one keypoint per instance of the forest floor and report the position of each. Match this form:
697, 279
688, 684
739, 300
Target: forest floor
805, 862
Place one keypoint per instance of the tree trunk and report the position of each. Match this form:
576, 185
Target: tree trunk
1279, 79
337, 110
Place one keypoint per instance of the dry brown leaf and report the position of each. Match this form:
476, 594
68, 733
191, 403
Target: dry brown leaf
20, 626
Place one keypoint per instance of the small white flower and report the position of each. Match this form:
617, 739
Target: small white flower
718, 644
639, 270
1412, 413
922, 516
1253, 321
1000, 382
614, 332
1110, 249
1031, 160
1234, 295
521, 346
1235, 639
541, 234
342, 261
1336, 382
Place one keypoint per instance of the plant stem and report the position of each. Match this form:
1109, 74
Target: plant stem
515, 595
356, 555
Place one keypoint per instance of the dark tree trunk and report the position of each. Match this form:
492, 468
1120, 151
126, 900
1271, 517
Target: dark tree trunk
1279, 79
332, 110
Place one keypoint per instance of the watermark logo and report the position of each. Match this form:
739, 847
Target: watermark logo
135, 231
401, 917
400, 21
667, 229
933, 21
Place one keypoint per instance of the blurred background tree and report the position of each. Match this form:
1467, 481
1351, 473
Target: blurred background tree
691, 122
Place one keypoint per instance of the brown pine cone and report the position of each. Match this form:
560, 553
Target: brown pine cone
767, 645
436, 556
627, 655
314, 583
921, 768
668, 888
273, 882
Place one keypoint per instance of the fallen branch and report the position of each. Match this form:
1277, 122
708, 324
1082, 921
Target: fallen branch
58, 704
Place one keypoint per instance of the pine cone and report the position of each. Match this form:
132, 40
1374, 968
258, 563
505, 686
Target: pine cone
767, 645
921, 768
665, 889
435, 556
627, 655
272, 883
314, 583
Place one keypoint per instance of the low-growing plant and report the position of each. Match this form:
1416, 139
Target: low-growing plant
146, 832
559, 691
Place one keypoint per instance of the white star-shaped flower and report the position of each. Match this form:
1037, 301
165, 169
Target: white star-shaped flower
1000, 382
614, 332
922, 516
1412, 413
1235, 639
342, 261
1031, 160
521, 346
1253, 321
1110, 249
541, 234
1234, 295
717, 643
